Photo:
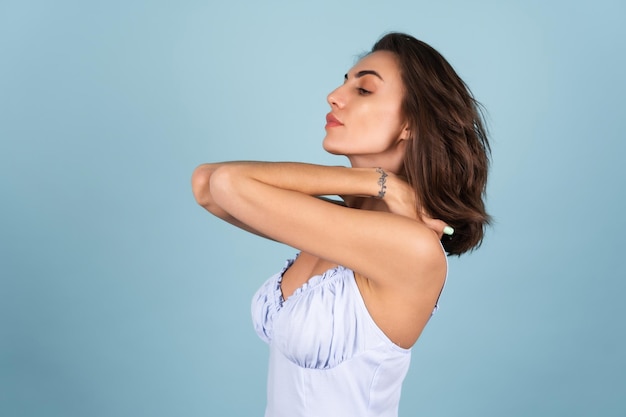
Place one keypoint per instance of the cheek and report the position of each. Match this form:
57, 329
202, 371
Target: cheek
385, 125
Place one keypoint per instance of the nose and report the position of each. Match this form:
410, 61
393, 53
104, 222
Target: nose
336, 99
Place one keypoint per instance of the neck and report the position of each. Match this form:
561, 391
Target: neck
391, 160
364, 203
371, 161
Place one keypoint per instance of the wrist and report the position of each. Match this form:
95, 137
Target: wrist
382, 183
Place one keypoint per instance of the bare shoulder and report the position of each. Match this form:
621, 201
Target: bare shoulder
429, 252
417, 259
401, 300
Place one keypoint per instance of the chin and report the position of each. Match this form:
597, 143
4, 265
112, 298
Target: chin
337, 147
330, 149
333, 151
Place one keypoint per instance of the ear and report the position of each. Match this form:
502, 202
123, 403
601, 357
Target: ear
405, 134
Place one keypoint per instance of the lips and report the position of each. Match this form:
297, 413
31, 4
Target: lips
332, 121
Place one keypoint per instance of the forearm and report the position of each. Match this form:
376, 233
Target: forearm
276, 200
313, 180
224, 188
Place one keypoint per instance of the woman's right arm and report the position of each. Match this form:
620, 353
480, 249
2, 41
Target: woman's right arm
201, 179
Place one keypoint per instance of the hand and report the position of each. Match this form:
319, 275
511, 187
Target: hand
438, 226
400, 199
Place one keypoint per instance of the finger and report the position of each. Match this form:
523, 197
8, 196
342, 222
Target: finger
438, 226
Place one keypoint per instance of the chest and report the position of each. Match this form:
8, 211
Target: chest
303, 269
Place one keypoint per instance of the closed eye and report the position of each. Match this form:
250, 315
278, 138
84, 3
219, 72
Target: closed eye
363, 91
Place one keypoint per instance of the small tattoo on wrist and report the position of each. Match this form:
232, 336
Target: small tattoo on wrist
382, 181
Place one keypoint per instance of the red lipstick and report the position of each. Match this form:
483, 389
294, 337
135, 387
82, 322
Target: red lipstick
332, 121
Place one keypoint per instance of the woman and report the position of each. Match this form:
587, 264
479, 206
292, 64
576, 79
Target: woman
341, 318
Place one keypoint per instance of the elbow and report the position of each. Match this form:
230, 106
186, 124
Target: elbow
212, 186
222, 185
201, 185
215, 185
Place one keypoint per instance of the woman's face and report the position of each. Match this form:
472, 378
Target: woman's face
365, 122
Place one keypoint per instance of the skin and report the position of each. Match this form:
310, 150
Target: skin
394, 251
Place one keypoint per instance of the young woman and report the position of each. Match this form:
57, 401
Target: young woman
342, 316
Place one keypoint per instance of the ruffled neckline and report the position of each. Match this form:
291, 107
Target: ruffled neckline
312, 282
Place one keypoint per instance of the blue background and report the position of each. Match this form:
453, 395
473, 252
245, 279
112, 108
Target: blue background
120, 297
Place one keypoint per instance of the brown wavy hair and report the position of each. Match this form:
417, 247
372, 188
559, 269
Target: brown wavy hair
447, 156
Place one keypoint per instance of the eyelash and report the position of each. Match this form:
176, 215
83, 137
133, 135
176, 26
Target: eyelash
363, 92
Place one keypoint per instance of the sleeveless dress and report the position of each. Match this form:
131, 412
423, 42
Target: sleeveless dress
327, 356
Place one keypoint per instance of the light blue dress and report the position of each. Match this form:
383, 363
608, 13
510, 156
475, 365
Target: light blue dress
327, 356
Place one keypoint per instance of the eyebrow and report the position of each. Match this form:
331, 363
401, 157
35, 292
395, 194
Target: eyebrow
365, 72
